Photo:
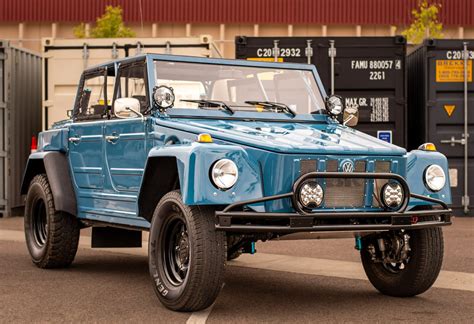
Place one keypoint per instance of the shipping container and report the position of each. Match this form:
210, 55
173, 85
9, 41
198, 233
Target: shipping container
65, 59
368, 72
20, 119
441, 110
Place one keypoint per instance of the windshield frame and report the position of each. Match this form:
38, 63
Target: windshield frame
151, 58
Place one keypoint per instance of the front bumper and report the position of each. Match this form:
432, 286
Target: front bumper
234, 218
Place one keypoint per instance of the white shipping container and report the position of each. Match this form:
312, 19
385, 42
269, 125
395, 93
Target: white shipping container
65, 59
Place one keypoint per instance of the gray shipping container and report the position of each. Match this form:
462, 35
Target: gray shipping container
20, 119
441, 110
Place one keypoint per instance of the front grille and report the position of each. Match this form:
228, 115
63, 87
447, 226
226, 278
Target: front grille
344, 193
349, 193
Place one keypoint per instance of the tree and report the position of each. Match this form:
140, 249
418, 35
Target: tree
425, 23
109, 25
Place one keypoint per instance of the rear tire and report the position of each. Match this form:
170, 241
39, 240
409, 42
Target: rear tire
186, 254
419, 274
51, 236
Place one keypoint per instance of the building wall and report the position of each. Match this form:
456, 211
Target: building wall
29, 35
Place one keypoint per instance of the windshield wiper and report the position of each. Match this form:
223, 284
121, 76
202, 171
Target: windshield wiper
210, 104
272, 106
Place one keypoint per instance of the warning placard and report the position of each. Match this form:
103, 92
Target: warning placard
452, 71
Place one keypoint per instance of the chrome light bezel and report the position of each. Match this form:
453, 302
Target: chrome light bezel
429, 182
221, 168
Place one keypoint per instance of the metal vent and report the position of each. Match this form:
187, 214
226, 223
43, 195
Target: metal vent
382, 166
331, 165
307, 166
360, 166
348, 193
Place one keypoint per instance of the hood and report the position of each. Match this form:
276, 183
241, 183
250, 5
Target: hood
288, 137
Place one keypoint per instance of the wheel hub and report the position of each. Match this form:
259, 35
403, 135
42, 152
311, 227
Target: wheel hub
182, 247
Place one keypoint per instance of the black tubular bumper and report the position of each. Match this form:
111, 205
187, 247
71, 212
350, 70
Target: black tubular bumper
234, 218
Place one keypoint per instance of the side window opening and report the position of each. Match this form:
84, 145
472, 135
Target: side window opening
131, 83
93, 101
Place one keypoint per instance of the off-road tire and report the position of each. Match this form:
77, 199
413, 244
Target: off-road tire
54, 246
206, 255
424, 265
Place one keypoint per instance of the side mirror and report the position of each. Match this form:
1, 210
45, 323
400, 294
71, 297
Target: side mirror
127, 108
351, 116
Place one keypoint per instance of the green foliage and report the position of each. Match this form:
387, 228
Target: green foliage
80, 30
109, 25
425, 23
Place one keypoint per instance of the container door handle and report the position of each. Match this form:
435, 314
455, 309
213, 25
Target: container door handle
74, 140
453, 141
111, 138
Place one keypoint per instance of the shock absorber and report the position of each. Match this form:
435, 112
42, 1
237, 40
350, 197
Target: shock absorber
381, 244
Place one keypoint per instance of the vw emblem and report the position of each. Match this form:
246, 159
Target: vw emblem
347, 166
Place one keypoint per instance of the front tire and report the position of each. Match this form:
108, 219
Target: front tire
51, 236
419, 272
186, 254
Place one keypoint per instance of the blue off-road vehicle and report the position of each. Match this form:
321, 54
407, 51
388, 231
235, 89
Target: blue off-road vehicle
211, 156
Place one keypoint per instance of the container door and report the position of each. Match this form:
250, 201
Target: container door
446, 118
61, 87
369, 73
3, 137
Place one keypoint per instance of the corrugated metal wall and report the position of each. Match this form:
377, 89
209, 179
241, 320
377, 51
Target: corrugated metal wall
20, 118
362, 12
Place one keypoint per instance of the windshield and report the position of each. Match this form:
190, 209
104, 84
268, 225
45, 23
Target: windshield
240, 87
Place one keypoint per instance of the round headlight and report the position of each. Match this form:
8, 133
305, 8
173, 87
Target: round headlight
311, 194
334, 105
392, 195
435, 178
224, 174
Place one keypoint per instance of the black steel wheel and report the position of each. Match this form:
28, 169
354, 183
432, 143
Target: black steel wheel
51, 236
186, 255
411, 276
175, 250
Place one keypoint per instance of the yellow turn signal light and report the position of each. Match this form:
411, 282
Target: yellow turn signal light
427, 147
204, 138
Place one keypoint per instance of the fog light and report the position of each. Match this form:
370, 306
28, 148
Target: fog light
392, 195
311, 194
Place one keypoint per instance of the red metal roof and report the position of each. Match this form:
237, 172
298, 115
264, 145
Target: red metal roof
363, 12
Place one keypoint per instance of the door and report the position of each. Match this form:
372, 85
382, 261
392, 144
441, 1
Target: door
125, 139
450, 118
86, 133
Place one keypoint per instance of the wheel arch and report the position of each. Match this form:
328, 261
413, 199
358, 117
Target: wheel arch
160, 177
56, 167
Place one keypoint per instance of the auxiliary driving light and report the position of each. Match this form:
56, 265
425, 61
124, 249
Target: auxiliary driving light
392, 195
311, 194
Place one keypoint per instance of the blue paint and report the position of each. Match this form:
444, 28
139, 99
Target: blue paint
267, 148
358, 243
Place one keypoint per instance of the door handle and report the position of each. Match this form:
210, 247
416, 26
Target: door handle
111, 138
74, 140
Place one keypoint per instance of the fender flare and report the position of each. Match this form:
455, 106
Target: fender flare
56, 167
187, 167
